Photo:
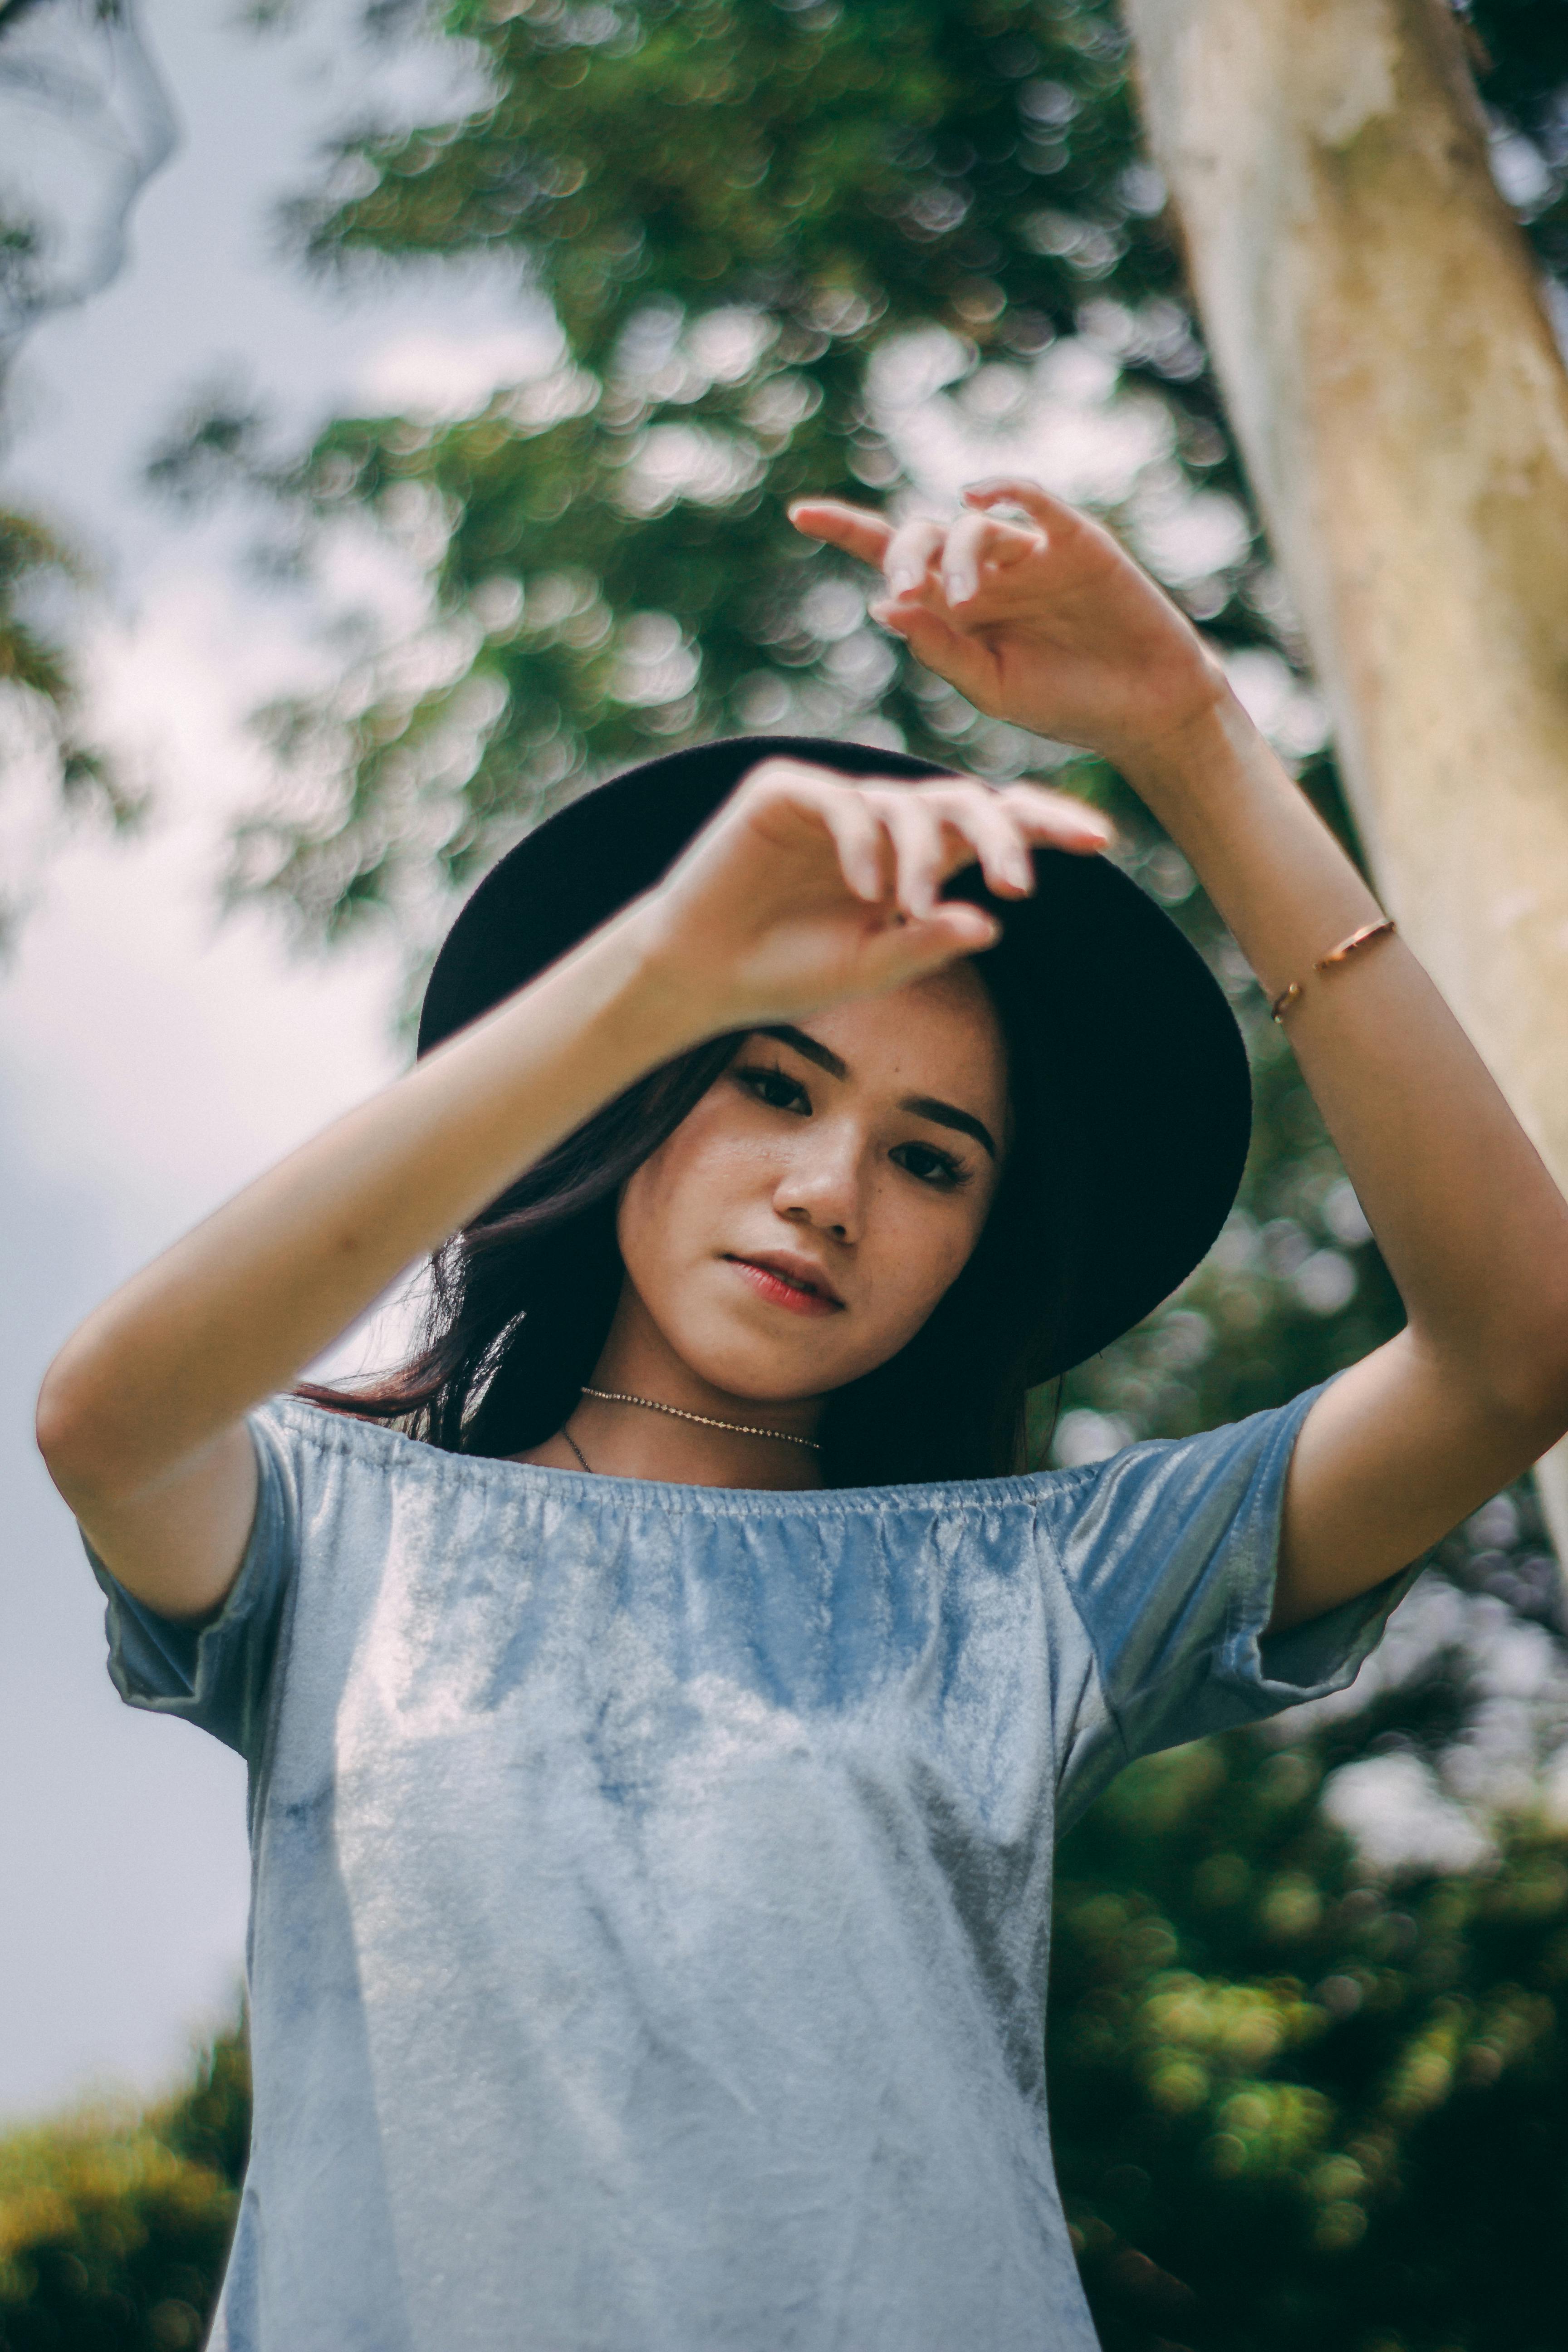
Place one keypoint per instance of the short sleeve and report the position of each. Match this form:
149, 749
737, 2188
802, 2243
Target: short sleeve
217, 1675
1169, 1552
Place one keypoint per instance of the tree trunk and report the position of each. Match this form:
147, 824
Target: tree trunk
1380, 334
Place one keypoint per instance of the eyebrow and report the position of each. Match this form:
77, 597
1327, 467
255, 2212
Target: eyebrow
941, 1114
948, 1115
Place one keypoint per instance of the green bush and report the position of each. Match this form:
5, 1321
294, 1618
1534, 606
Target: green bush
1293, 2110
113, 2233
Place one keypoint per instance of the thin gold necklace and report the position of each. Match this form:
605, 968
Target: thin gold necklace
678, 1412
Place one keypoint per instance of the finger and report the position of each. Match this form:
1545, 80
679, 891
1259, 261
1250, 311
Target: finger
780, 786
1057, 820
912, 951
981, 829
855, 530
967, 662
859, 840
914, 832
972, 542
909, 555
1051, 514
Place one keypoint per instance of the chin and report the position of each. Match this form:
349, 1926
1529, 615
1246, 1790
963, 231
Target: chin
744, 1363
757, 1374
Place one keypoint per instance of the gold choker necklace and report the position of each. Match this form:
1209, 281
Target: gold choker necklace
703, 1421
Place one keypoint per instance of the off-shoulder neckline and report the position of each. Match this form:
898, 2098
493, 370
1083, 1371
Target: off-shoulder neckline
371, 1442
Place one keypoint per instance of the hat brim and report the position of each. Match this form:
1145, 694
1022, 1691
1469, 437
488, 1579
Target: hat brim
1113, 1019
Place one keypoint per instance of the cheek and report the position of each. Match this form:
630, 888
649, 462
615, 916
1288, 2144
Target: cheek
914, 1252
648, 1223
678, 1197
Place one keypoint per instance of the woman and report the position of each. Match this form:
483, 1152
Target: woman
652, 1805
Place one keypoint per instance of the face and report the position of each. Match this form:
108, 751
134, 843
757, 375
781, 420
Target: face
800, 1224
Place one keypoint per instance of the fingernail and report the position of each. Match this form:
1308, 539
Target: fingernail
903, 578
959, 586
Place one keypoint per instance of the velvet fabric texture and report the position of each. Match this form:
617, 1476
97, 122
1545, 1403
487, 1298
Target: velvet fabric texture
652, 1884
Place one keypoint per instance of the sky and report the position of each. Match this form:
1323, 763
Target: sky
153, 1058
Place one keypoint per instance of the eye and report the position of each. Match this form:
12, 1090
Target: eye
930, 1165
766, 1083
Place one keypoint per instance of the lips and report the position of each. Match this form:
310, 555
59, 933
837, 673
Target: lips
787, 1281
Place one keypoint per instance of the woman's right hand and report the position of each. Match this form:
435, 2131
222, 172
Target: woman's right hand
809, 888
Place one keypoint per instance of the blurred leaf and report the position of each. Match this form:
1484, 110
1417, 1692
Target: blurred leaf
1292, 2109
40, 742
113, 2234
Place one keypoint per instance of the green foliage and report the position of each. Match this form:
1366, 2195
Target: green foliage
38, 693
737, 207
734, 207
113, 2234
1293, 2110
28, 553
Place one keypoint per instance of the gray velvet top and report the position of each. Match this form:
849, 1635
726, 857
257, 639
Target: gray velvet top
652, 1885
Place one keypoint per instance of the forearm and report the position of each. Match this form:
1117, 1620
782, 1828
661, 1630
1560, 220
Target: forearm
234, 1310
1277, 875
1432, 1148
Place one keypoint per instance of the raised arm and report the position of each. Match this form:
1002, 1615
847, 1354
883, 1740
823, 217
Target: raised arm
1044, 621
801, 892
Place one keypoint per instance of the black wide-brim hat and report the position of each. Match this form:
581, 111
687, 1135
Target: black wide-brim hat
1119, 1039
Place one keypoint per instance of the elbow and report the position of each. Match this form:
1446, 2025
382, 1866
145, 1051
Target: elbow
1504, 1371
57, 1426
1551, 1411
1528, 1390
71, 1438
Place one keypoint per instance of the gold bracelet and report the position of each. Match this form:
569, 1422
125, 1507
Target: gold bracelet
1364, 938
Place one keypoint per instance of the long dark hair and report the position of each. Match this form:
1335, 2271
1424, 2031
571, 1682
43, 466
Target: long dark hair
522, 1300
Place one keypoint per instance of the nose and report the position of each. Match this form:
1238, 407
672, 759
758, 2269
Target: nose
824, 1183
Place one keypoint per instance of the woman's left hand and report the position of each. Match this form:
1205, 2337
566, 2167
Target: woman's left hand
1045, 622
